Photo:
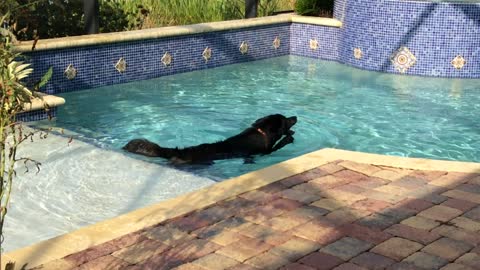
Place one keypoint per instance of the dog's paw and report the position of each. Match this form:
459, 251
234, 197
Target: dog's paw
289, 139
248, 160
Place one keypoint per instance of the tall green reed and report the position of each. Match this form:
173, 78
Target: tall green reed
182, 12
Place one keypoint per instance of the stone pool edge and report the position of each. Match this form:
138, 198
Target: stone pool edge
61, 246
169, 31
43, 100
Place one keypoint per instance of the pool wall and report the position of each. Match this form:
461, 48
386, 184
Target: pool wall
438, 35
93, 60
305, 36
96, 65
87, 62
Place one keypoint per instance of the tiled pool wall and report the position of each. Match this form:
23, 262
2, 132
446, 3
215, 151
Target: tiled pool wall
438, 38
96, 65
339, 9
37, 115
304, 37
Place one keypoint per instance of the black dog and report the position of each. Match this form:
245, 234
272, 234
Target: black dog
263, 137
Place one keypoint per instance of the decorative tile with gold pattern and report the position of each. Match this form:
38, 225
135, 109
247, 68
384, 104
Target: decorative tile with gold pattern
243, 47
166, 59
458, 62
207, 54
121, 65
403, 59
276, 42
313, 44
357, 53
70, 72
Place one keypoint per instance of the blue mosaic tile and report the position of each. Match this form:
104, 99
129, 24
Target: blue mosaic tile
37, 115
95, 65
435, 32
339, 9
327, 37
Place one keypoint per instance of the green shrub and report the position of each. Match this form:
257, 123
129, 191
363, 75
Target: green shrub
314, 7
33, 19
114, 17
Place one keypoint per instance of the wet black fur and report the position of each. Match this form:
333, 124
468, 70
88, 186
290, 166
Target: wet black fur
244, 145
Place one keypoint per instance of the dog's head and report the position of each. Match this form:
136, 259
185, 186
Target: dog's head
276, 124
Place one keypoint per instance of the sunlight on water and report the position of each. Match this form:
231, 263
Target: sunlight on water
336, 105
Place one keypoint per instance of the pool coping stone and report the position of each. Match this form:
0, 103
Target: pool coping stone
41, 101
169, 31
83, 238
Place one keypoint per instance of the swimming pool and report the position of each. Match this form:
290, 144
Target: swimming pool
337, 106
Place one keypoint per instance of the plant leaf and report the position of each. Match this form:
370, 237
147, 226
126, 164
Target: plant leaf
45, 78
18, 70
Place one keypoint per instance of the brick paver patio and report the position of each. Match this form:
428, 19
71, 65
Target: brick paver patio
343, 215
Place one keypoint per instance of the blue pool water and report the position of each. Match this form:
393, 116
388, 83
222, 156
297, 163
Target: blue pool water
337, 106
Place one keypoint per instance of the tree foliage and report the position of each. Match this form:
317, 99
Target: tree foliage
34, 19
314, 7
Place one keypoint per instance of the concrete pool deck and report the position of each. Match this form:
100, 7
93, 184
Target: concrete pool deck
330, 209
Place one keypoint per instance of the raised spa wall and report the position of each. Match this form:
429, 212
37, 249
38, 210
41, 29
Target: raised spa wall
408, 37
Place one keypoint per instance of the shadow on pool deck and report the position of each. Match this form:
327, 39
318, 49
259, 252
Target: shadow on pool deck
342, 215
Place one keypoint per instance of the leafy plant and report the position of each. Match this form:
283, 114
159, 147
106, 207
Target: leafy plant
314, 7
13, 96
34, 19
114, 18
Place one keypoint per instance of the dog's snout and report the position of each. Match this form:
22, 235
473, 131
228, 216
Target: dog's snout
292, 120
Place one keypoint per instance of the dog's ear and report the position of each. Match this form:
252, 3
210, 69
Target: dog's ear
274, 121
260, 122
269, 120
